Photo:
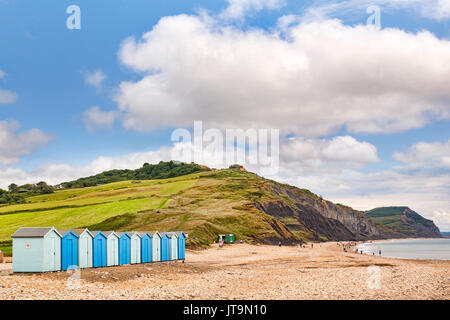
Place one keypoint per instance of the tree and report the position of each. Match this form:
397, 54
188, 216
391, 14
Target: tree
13, 188
43, 187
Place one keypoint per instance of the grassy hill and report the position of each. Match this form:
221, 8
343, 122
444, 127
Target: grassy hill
203, 204
405, 221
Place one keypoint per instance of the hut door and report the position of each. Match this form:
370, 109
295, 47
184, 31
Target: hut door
52, 253
86, 246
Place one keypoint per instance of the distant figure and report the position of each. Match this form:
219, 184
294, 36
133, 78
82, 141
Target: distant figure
279, 243
312, 245
373, 253
379, 252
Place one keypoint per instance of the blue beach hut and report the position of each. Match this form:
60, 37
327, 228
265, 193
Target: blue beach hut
165, 243
36, 250
124, 248
146, 247
69, 249
99, 246
181, 244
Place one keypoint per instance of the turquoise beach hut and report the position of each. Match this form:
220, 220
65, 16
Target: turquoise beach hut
124, 248
165, 244
181, 237
84, 247
69, 249
100, 249
112, 248
36, 250
146, 247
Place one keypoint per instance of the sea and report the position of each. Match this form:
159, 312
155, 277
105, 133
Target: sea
429, 249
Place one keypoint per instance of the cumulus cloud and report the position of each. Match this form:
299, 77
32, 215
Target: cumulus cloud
315, 79
94, 118
14, 145
237, 9
299, 155
7, 96
426, 155
95, 78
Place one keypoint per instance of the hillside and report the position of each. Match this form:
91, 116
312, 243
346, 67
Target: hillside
404, 221
203, 204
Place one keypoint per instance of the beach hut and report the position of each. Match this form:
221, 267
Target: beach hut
124, 248
173, 245
36, 250
100, 249
165, 246
69, 249
135, 247
84, 247
146, 247
112, 248
156, 246
181, 237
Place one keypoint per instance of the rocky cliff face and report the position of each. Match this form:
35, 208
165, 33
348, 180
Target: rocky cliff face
404, 222
300, 209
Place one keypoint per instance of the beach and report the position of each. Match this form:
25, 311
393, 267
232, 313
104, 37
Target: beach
243, 271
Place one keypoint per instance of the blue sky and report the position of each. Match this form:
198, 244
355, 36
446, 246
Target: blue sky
46, 67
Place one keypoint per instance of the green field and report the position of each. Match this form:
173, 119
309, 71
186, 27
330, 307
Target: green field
87, 207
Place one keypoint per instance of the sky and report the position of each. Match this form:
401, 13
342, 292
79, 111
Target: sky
359, 90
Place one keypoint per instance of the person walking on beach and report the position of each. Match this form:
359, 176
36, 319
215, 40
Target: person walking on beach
279, 243
379, 252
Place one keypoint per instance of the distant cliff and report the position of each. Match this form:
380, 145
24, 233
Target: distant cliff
404, 222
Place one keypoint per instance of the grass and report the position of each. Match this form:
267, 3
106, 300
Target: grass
201, 204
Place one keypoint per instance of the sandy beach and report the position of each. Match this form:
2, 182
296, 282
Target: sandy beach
243, 271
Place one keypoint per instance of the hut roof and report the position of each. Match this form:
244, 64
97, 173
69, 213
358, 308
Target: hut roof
178, 233
32, 232
122, 233
143, 233
95, 233
107, 233
63, 232
153, 232
79, 232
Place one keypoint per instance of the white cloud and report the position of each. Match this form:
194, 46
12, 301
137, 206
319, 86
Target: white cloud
7, 96
2, 74
426, 155
237, 9
324, 77
300, 155
95, 78
14, 145
94, 118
